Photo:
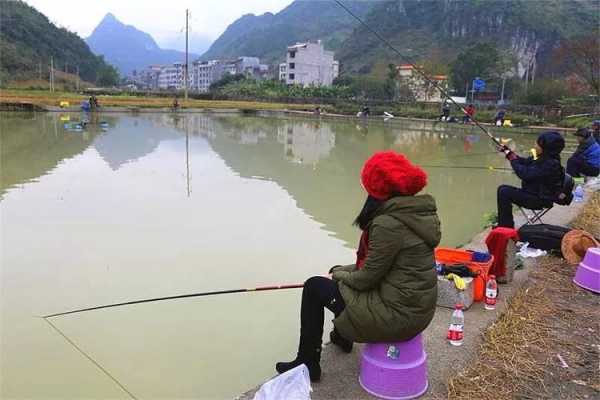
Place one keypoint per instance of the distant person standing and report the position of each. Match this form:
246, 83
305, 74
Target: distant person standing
469, 114
596, 130
445, 112
175, 103
500, 117
586, 158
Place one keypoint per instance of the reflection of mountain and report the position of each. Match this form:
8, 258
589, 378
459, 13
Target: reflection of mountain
327, 186
132, 138
31, 147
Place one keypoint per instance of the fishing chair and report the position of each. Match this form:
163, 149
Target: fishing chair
564, 198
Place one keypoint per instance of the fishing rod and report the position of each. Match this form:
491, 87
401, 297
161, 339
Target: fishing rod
489, 167
181, 296
419, 71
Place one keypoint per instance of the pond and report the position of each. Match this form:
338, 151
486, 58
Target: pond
155, 205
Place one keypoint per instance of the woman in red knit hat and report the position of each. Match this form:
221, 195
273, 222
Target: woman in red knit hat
390, 293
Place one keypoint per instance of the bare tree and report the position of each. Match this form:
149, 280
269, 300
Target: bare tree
581, 55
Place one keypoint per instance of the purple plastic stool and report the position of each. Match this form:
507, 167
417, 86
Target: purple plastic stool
395, 371
588, 271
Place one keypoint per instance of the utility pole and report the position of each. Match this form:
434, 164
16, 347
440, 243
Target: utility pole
187, 13
51, 78
77, 81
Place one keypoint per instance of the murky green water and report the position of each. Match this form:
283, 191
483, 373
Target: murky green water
157, 205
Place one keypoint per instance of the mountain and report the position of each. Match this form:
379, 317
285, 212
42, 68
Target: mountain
198, 43
28, 40
128, 48
441, 28
267, 36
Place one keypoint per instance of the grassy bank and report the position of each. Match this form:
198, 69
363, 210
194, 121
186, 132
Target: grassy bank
44, 98
545, 344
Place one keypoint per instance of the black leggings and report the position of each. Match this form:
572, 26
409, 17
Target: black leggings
509, 195
318, 293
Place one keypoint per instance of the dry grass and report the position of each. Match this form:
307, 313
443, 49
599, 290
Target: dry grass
53, 99
589, 219
519, 357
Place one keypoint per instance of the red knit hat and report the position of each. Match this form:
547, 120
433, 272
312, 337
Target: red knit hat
388, 172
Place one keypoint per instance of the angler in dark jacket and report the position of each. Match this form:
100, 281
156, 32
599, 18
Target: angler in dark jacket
586, 159
390, 293
542, 178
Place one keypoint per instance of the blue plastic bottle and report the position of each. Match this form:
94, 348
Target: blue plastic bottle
578, 194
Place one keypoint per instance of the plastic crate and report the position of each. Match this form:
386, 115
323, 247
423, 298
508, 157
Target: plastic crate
450, 256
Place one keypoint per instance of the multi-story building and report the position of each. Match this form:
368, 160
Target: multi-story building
283, 72
205, 73
310, 64
172, 77
421, 89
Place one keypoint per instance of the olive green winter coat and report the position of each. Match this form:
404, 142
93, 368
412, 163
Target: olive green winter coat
393, 297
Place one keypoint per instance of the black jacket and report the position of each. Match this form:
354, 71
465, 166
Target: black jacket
543, 177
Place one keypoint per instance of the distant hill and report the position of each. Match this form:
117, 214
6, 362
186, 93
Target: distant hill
267, 36
128, 48
28, 40
422, 28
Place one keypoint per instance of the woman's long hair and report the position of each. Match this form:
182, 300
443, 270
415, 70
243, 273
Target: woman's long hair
368, 212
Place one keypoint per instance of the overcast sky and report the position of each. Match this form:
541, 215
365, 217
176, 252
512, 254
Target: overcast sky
164, 20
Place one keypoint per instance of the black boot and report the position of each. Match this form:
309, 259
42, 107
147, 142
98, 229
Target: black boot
338, 340
309, 357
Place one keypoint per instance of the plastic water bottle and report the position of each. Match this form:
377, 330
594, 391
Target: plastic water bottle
578, 194
457, 325
491, 292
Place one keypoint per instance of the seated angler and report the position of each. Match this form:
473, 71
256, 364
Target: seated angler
390, 293
586, 159
541, 178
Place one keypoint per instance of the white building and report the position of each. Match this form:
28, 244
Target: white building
205, 73
172, 77
283, 72
310, 64
422, 89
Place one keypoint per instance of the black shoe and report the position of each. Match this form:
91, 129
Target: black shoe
338, 340
314, 368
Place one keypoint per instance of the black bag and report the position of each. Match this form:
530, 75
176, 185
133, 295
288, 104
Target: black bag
543, 236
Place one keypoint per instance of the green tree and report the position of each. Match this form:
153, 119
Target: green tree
480, 60
107, 76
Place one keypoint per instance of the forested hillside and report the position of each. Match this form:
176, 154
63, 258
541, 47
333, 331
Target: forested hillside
28, 40
268, 35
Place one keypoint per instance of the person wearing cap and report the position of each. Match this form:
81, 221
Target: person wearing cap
390, 292
585, 161
541, 178
596, 130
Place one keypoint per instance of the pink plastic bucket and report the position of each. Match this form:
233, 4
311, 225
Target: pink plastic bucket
588, 271
395, 371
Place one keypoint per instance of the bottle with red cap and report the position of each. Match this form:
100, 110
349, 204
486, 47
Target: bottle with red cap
457, 324
491, 293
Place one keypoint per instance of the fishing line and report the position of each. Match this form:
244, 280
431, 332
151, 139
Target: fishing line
489, 168
89, 358
181, 296
423, 74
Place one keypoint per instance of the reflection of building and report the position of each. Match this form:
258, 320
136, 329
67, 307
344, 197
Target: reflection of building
310, 64
306, 142
421, 89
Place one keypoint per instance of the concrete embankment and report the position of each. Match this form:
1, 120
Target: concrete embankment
340, 370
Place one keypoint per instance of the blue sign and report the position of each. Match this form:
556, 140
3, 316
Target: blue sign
478, 84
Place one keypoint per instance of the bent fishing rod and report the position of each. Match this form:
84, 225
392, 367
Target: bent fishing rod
181, 296
419, 71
